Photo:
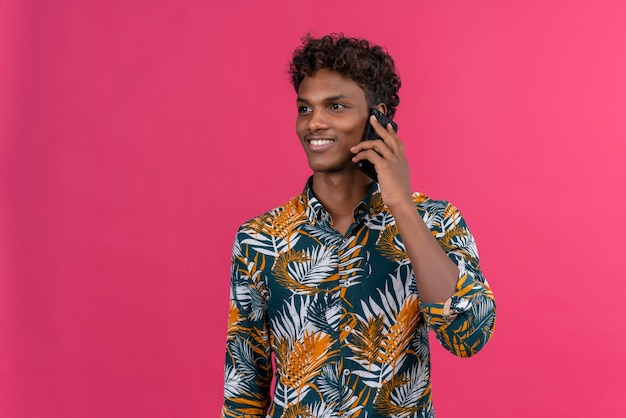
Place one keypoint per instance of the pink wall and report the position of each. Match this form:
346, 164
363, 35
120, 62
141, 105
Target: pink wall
137, 135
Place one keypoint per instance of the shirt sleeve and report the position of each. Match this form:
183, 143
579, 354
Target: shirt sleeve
248, 369
464, 323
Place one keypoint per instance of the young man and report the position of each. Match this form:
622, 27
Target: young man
341, 284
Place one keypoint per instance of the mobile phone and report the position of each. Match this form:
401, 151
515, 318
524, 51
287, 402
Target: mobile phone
366, 166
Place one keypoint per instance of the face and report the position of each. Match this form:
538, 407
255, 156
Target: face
332, 112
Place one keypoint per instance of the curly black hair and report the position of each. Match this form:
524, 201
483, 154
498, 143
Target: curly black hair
370, 66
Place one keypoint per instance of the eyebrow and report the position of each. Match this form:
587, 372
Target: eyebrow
327, 99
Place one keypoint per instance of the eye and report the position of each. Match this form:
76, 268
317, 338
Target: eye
337, 106
304, 109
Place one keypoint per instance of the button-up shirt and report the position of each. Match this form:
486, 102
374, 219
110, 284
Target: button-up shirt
338, 318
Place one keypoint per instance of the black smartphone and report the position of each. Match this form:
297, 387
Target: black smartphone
366, 166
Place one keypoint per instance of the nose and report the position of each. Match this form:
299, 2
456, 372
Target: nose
317, 121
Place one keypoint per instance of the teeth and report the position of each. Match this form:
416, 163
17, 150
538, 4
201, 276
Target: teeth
320, 141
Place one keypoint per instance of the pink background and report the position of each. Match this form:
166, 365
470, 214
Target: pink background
137, 135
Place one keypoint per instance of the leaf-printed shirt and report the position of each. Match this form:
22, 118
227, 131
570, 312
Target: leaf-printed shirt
340, 315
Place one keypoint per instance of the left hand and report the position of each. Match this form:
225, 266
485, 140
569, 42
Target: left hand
389, 159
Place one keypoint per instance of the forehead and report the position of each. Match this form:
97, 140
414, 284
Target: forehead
328, 83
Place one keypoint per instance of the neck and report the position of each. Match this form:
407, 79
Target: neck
339, 193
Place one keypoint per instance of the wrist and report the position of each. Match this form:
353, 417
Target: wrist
405, 205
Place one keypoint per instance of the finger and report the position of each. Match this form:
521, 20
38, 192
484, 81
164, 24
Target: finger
375, 151
370, 155
380, 130
387, 133
381, 164
380, 147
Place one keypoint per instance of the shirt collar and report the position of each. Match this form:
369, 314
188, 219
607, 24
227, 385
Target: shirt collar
370, 204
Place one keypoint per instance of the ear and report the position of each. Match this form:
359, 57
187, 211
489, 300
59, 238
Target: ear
382, 107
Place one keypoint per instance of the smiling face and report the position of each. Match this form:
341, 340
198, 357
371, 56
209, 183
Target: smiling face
332, 112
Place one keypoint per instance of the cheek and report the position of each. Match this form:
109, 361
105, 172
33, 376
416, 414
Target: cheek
355, 129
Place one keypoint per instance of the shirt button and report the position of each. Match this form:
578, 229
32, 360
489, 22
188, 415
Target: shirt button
346, 372
348, 328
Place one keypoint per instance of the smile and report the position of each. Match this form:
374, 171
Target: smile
318, 142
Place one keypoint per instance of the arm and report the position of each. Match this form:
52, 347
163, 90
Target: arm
248, 369
435, 274
464, 322
455, 298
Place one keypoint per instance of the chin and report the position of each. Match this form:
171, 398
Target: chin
331, 165
332, 169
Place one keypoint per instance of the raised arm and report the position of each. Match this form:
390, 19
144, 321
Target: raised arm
454, 296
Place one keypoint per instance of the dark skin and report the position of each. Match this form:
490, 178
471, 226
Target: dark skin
332, 112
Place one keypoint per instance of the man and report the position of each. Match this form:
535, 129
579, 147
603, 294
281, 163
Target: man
341, 284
